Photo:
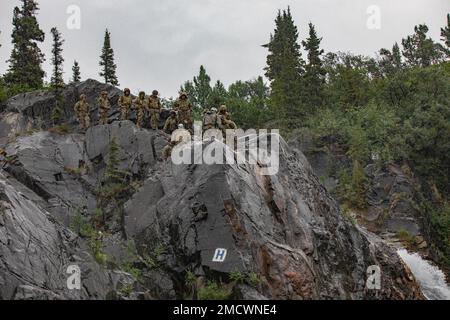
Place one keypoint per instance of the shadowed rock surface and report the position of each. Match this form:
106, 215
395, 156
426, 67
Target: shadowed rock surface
284, 230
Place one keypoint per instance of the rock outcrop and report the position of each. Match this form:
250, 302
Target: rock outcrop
283, 235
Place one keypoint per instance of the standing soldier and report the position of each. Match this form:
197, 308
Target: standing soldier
224, 119
154, 106
103, 107
210, 120
184, 108
171, 123
140, 104
125, 103
82, 111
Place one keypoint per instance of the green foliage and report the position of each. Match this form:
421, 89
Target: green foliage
237, 276
285, 68
440, 222
107, 64
352, 187
25, 64
76, 74
213, 291
190, 279
84, 228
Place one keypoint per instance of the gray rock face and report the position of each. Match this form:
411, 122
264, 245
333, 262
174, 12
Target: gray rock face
35, 251
208, 221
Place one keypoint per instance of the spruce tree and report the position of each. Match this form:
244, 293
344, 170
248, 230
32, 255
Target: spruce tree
25, 64
445, 34
76, 75
285, 67
202, 85
391, 61
314, 71
57, 81
108, 71
421, 50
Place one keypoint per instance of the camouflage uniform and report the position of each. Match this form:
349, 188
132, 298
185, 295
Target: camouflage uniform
210, 119
154, 106
125, 103
171, 123
103, 108
225, 119
82, 111
167, 151
184, 108
140, 104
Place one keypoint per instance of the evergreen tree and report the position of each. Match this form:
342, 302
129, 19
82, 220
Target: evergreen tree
199, 90
25, 63
285, 67
391, 61
107, 64
57, 60
76, 75
202, 87
445, 34
314, 71
57, 81
420, 50
218, 95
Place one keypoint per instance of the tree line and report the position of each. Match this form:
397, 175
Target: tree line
25, 72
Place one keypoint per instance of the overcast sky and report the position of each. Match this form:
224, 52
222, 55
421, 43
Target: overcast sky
161, 43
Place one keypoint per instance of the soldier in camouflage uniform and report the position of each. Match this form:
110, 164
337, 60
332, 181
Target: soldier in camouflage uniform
184, 108
167, 151
225, 119
154, 106
171, 123
125, 103
210, 119
103, 107
141, 105
82, 111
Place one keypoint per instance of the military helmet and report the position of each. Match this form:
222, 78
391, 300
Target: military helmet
183, 94
82, 96
142, 93
223, 108
213, 109
155, 93
104, 93
126, 90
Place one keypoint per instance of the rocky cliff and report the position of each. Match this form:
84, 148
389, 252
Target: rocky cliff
155, 235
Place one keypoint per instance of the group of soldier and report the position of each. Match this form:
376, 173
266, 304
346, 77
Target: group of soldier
180, 116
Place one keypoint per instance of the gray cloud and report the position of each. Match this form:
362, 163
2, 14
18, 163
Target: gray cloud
161, 43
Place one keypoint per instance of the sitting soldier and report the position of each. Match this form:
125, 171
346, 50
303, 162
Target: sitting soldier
125, 103
224, 117
171, 123
210, 119
82, 112
103, 107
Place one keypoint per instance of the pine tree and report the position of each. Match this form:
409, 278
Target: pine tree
314, 71
25, 64
445, 34
76, 75
202, 87
57, 81
391, 61
107, 64
420, 50
285, 67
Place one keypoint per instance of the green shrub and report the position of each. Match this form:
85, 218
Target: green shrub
212, 291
